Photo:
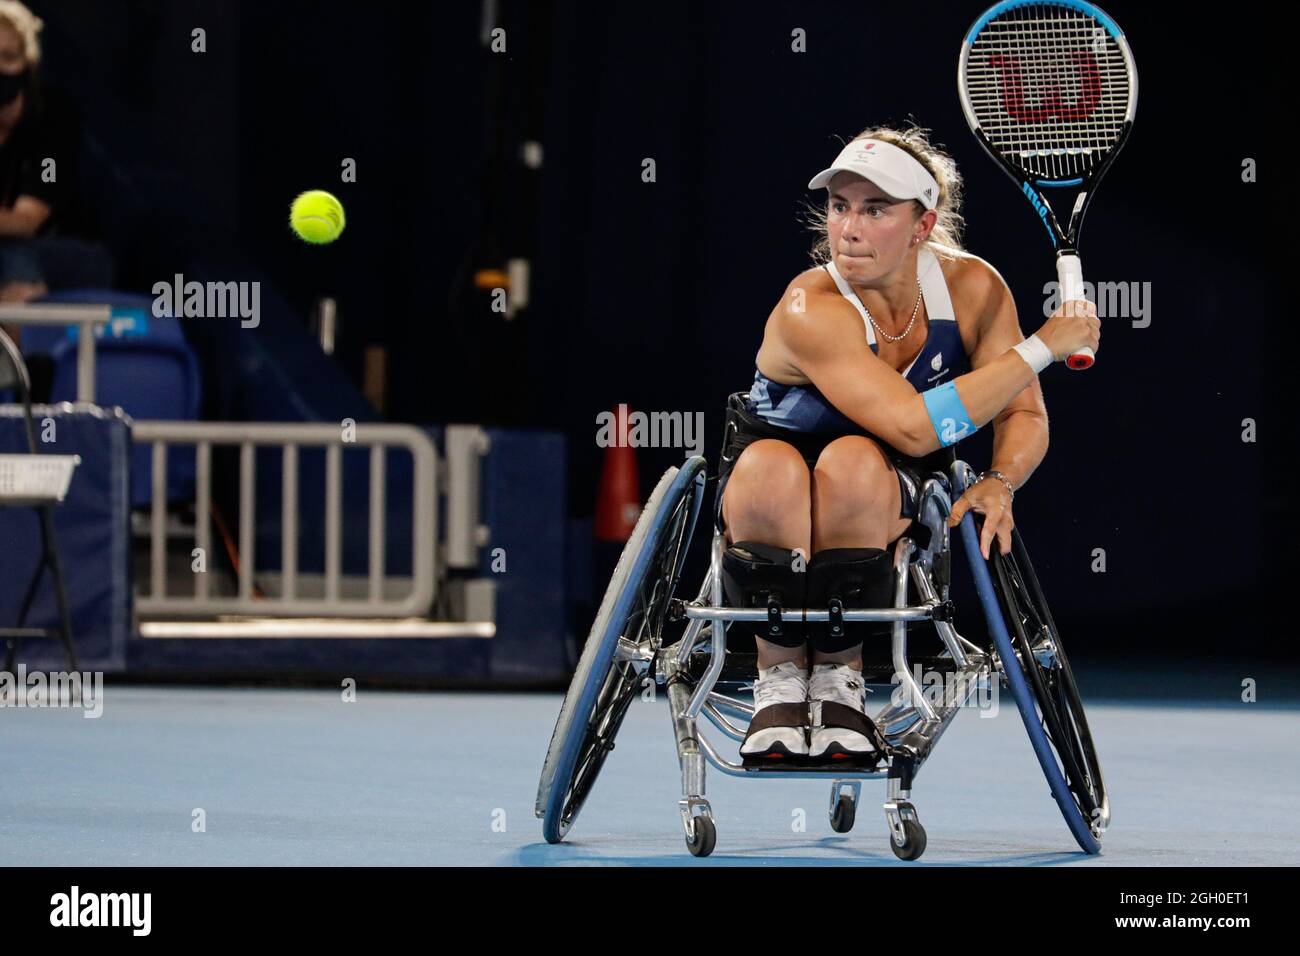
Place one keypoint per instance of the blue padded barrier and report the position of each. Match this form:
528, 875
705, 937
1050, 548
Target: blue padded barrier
92, 527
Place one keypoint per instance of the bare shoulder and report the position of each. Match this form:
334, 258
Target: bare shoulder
813, 281
979, 294
812, 306
810, 318
973, 282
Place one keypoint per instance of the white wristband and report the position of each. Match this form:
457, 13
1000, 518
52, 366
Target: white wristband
1035, 353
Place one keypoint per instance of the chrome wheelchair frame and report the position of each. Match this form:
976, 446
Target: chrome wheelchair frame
626, 649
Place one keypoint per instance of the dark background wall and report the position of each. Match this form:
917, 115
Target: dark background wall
655, 294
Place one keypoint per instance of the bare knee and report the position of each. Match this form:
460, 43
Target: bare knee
856, 500
767, 497
854, 473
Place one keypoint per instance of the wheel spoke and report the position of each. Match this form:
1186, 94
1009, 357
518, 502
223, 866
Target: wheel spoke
599, 740
1066, 733
643, 628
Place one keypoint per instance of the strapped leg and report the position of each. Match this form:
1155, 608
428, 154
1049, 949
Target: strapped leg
842, 579
762, 575
848, 578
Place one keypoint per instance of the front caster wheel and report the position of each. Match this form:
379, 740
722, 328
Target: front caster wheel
703, 836
913, 841
843, 815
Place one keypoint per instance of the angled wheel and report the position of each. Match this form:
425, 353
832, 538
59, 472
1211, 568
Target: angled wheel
703, 836
1042, 683
844, 814
913, 844
1042, 657
619, 653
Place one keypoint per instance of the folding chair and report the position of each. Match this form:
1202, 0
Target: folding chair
39, 482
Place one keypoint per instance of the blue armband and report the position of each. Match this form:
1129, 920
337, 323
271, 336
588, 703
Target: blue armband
947, 414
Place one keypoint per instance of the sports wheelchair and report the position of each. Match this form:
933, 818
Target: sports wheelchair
634, 639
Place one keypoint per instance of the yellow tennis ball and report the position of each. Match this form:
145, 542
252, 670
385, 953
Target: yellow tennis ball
316, 217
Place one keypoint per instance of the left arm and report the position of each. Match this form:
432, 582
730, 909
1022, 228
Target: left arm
1019, 430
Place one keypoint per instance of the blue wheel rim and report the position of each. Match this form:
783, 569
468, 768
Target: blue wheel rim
1020, 691
692, 471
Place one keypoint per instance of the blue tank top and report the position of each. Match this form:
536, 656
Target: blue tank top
803, 408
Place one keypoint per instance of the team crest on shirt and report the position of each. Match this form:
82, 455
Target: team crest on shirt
936, 363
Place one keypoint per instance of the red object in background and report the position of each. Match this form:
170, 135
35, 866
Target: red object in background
618, 502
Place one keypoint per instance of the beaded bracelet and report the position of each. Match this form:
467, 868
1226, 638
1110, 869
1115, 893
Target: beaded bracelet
1000, 477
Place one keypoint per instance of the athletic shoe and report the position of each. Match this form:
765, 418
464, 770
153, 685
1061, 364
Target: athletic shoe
779, 729
841, 729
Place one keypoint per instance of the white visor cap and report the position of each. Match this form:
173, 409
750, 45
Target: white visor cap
892, 169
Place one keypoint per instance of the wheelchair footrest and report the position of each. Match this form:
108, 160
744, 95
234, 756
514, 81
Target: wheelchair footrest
828, 768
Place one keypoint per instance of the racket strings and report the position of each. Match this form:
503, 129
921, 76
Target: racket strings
1050, 86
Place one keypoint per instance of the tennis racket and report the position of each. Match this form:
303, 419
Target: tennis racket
1049, 89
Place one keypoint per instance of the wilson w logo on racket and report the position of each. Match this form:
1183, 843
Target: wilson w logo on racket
1051, 104
1049, 89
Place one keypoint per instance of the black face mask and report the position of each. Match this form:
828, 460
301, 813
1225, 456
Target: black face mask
11, 84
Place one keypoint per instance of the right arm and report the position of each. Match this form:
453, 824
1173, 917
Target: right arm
826, 343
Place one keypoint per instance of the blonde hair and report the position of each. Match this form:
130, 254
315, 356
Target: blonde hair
27, 25
945, 238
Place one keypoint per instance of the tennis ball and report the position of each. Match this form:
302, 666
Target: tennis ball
316, 217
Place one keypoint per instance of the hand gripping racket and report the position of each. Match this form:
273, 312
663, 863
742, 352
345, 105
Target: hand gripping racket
1049, 89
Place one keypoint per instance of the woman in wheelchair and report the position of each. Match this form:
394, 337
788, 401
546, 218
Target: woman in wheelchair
873, 365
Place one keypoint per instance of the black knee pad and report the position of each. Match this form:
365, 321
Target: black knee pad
860, 578
759, 575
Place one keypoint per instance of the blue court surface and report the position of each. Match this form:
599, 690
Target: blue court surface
286, 777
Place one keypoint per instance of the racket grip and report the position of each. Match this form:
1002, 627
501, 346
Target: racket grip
1069, 275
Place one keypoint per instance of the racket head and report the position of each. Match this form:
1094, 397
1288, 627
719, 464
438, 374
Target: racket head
1049, 88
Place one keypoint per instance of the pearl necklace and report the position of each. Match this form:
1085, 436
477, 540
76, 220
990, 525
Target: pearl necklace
915, 310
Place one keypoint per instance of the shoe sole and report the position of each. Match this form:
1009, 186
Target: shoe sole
836, 757
777, 756
778, 750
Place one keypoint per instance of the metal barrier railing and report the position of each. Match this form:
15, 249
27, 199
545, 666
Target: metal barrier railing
87, 318
290, 436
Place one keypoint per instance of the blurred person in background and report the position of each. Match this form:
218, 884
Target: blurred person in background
38, 157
